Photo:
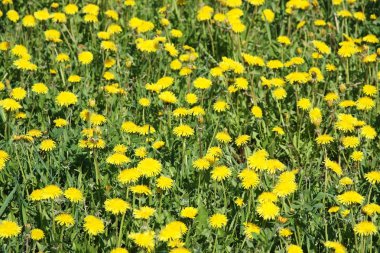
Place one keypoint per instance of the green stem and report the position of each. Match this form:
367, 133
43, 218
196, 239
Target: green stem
121, 231
61, 238
347, 71
184, 159
268, 32
250, 198
160, 204
216, 242
369, 194
96, 165
324, 204
224, 195
52, 217
21, 167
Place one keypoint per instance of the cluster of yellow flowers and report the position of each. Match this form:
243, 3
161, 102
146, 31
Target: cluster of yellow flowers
217, 126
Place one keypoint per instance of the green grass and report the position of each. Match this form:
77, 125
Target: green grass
68, 165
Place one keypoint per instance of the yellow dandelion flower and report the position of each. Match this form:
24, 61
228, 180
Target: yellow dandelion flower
60, 122
119, 250
164, 183
346, 181
350, 141
47, 145
350, 197
324, 139
144, 212
118, 159
37, 234
368, 132
369, 90
357, 156
294, 249
220, 173
66, 99
149, 167
202, 83
129, 176
145, 102
42, 15
85, 57
285, 232
371, 209
315, 115
183, 131
283, 40
218, 220
365, 228
278, 130
74, 195
333, 209
249, 179
268, 210
189, 212
251, 229
158, 144
242, 140
275, 64
283, 189
116, 206
220, 106
74, 79
65, 219
239, 202
29, 21
13, 16
373, 177
40, 88
71, 9
298, 77
10, 104
205, 13
334, 166
365, 103
144, 240
268, 15
321, 47
93, 225
9, 229
267, 197
201, 164
168, 97
338, 247
172, 231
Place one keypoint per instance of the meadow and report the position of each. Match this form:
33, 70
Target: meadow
177, 126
